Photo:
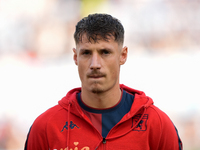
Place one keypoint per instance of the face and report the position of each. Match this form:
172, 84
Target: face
99, 63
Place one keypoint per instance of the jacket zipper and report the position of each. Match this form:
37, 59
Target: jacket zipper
104, 143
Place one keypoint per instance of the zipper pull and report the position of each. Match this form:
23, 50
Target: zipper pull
104, 140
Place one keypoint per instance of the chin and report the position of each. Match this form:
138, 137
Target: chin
96, 88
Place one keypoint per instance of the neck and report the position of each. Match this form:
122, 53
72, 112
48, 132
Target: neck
101, 100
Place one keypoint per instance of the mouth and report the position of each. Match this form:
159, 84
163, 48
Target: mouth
96, 76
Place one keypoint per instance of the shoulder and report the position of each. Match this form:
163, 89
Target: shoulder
42, 120
163, 130
159, 122
37, 136
160, 116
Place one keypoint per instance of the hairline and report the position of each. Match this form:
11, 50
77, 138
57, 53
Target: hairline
90, 40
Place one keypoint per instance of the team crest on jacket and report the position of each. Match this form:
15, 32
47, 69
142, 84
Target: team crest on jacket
142, 125
72, 125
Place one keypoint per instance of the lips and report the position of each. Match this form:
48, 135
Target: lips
95, 75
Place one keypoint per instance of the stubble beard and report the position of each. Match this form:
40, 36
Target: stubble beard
96, 89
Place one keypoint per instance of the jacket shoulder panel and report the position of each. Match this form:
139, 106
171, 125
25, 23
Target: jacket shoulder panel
167, 136
47, 115
37, 137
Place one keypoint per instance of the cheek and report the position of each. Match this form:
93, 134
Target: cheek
114, 71
81, 71
113, 65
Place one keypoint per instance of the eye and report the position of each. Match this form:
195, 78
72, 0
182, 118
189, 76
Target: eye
86, 52
105, 51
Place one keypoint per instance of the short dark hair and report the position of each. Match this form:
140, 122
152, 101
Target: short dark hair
103, 25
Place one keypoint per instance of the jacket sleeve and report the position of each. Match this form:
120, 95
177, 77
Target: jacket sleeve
37, 137
168, 134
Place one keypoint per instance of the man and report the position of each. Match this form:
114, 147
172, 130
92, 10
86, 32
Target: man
102, 114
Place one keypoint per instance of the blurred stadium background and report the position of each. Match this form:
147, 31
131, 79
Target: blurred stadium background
36, 67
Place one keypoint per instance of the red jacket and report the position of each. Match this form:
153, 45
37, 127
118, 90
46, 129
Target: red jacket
145, 127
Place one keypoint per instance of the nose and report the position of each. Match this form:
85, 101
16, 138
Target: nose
95, 62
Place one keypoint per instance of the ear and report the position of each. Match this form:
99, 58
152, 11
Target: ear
75, 56
123, 55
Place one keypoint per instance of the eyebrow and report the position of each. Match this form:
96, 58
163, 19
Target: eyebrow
101, 49
84, 49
